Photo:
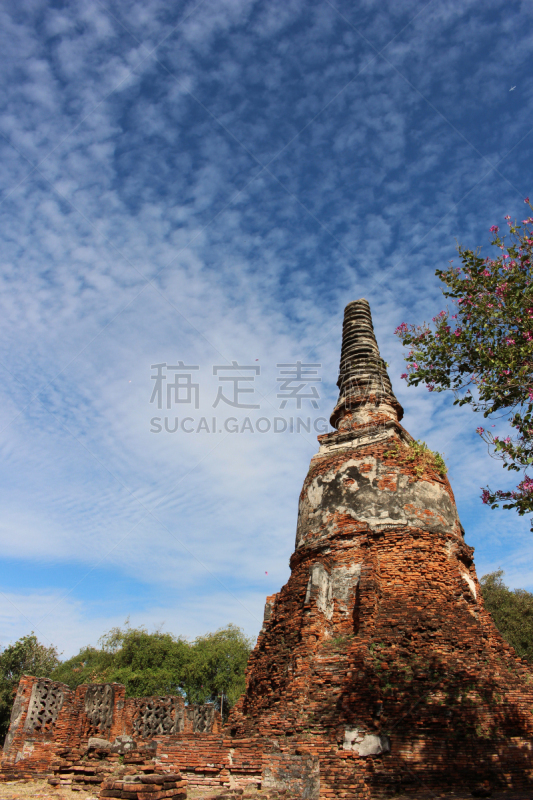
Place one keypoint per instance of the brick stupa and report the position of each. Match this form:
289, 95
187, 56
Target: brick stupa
378, 657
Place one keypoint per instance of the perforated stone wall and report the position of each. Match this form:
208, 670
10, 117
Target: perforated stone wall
99, 702
45, 704
159, 715
201, 718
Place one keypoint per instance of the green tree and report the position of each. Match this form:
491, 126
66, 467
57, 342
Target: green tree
89, 666
26, 657
512, 612
145, 663
483, 353
215, 672
209, 669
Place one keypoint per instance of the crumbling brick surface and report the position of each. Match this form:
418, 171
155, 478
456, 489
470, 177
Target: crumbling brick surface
297, 773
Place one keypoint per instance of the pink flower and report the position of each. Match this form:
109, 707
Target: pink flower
480, 430
485, 496
526, 485
494, 229
486, 273
526, 200
510, 341
404, 375
458, 332
401, 328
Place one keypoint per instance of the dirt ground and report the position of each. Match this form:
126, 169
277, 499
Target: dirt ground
24, 790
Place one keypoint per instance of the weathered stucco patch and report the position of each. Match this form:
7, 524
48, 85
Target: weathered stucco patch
344, 581
319, 587
471, 584
369, 744
374, 493
327, 586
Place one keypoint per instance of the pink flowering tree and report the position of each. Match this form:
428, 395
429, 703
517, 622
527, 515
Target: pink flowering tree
483, 352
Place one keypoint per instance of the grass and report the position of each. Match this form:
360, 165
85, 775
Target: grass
418, 454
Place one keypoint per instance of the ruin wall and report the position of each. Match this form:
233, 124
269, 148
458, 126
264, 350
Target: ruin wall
48, 716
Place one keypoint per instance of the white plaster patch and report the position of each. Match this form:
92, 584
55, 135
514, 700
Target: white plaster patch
314, 494
339, 585
470, 583
352, 737
366, 462
319, 581
344, 580
450, 548
269, 607
369, 744
27, 750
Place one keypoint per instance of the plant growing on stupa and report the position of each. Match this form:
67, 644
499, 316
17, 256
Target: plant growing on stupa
419, 457
483, 352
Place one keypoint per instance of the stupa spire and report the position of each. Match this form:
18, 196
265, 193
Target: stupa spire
363, 378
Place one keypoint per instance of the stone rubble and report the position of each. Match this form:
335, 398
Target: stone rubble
90, 769
147, 786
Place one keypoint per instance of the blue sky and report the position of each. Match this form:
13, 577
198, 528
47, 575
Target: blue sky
209, 182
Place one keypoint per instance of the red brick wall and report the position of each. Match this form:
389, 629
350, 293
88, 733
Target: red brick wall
32, 747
